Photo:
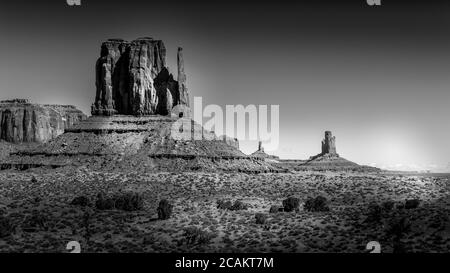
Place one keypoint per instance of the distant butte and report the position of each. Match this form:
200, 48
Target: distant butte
260, 153
327, 160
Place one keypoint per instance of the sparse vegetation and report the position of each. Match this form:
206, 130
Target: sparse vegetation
261, 218
164, 210
388, 205
81, 201
196, 198
195, 235
375, 213
6, 227
237, 205
291, 204
37, 221
412, 203
127, 201
275, 209
317, 204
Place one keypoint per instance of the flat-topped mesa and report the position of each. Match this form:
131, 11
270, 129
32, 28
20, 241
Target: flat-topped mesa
132, 79
329, 144
23, 121
11, 101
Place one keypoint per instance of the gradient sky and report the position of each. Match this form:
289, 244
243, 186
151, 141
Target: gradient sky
378, 77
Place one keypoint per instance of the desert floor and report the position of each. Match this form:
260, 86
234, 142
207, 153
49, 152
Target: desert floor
35, 204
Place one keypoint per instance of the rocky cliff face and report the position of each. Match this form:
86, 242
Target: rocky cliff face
132, 79
22, 121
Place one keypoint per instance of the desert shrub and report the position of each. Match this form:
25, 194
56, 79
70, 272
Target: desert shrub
104, 203
6, 227
33, 179
128, 201
36, 222
237, 205
291, 204
397, 227
374, 213
164, 209
388, 205
275, 209
194, 235
221, 204
81, 201
412, 203
316, 204
123, 201
261, 218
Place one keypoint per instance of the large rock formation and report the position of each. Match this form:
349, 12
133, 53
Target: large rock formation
132, 79
329, 143
140, 117
22, 121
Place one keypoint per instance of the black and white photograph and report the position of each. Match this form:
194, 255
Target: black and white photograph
226, 127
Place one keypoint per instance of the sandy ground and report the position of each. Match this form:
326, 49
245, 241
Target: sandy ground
36, 204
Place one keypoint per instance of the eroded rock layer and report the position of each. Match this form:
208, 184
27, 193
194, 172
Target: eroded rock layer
22, 121
137, 143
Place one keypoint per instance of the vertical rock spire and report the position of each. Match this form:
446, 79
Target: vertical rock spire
260, 147
329, 143
182, 88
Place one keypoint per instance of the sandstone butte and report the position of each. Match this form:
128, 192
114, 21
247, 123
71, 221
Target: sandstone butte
137, 102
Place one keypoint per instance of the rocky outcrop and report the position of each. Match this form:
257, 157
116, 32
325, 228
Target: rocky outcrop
233, 142
22, 121
327, 160
329, 143
132, 79
260, 153
260, 147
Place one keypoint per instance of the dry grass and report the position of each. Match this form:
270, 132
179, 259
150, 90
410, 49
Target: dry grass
195, 195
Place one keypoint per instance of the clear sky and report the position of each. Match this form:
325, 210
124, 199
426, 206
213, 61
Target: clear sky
378, 77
